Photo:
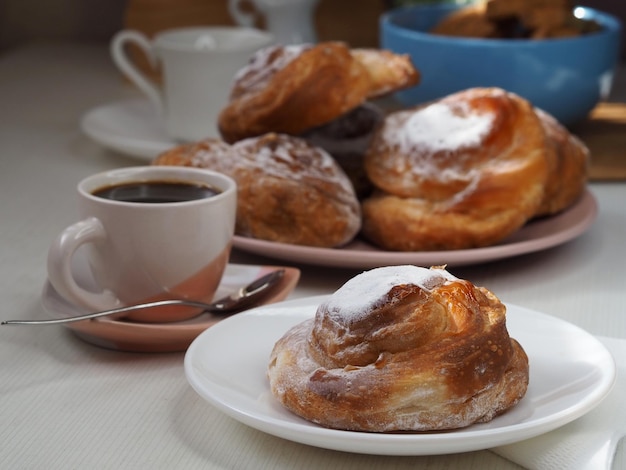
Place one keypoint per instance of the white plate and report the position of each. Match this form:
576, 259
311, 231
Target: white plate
130, 127
570, 373
537, 235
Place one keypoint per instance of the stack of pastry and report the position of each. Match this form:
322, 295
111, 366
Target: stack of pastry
534, 19
401, 349
465, 171
320, 92
294, 112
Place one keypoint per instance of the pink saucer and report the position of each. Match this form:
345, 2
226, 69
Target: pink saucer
156, 337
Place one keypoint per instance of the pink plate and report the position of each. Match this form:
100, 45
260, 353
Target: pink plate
537, 235
156, 337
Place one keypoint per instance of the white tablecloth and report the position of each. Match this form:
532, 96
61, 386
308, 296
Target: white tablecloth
67, 404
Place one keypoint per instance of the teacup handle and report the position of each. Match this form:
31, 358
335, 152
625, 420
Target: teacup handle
60, 275
242, 18
126, 65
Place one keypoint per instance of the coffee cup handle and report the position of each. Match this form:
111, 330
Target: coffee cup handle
128, 68
60, 275
242, 18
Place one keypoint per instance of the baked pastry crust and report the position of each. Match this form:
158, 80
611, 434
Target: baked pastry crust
210, 153
465, 171
470, 21
288, 191
401, 348
568, 161
291, 89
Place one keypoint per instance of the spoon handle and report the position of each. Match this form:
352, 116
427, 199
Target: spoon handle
104, 313
243, 297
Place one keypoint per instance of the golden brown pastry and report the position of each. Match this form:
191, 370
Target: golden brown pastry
568, 160
211, 153
288, 191
465, 171
291, 89
470, 21
401, 348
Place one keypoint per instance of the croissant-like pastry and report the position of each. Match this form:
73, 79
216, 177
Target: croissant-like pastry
465, 171
401, 348
291, 89
288, 190
568, 160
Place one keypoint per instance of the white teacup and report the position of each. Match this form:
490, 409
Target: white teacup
144, 251
198, 65
290, 21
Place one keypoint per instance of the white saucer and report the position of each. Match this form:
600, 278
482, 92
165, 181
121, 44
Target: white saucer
129, 127
155, 337
571, 372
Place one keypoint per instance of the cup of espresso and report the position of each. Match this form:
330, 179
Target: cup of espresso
149, 233
198, 65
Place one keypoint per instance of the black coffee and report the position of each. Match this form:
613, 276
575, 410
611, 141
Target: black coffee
156, 192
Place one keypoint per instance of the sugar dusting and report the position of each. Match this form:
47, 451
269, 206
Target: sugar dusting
291, 158
440, 127
265, 63
210, 153
362, 293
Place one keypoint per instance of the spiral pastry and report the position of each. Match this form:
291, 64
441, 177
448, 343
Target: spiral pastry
401, 349
465, 171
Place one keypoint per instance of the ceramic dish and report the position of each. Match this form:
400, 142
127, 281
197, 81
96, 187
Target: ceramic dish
535, 236
570, 373
129, 127
156, 337
548, 73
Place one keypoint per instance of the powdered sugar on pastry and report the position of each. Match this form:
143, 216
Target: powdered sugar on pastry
210, 153
289, 158
438, 127
367, 291
443, 129
264, 64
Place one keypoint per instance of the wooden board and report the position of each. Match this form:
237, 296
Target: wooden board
605, 135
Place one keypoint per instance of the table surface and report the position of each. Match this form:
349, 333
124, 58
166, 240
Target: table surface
67, 404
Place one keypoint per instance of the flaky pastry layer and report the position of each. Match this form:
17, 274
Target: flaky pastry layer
401, 349
292, 89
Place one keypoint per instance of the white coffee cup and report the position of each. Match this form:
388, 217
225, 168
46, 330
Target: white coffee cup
144, 251
290, 21
198, 65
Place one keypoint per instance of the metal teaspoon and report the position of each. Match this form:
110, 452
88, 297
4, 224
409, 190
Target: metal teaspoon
242, 297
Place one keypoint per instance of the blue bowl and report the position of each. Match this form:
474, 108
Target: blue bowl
565, 77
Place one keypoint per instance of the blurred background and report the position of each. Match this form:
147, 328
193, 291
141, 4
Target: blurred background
25, 21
